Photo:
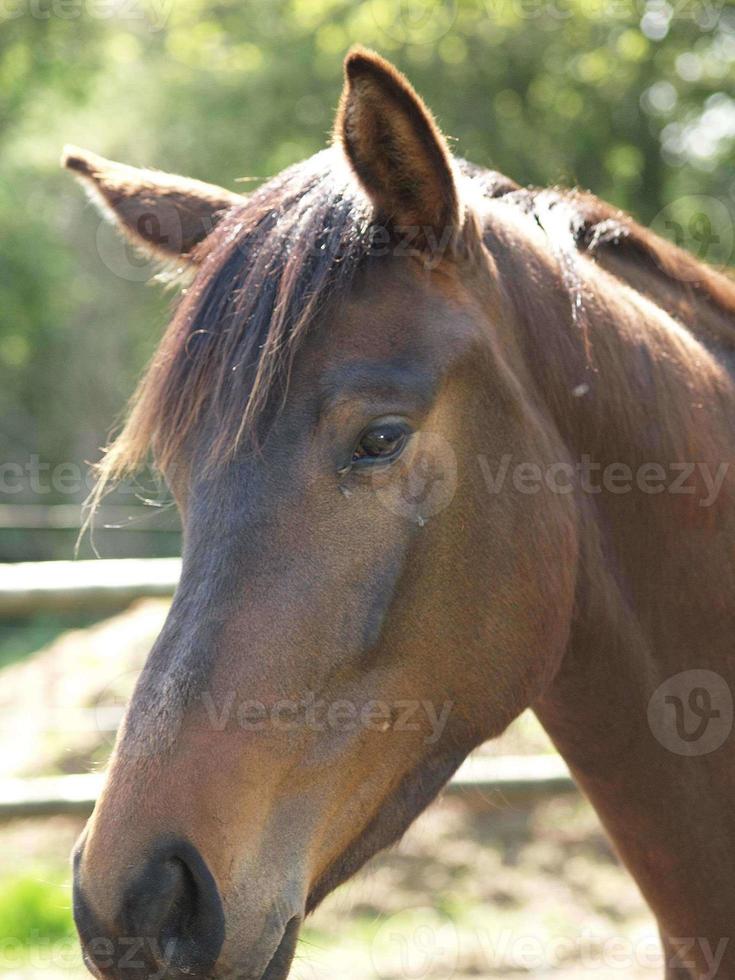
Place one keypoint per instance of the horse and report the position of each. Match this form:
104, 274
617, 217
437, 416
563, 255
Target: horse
439, 442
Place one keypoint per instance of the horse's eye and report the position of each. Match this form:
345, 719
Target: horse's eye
382, 442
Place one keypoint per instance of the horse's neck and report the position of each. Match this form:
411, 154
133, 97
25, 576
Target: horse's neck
700, 296
656, 600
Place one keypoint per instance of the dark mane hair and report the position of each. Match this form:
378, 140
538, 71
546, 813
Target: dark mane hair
614, 240
264, 273
271, 264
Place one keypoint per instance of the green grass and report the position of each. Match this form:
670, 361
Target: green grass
35, 907
19, 638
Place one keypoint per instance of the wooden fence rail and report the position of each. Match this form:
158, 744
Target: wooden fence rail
30, 587
68, 517
493, 780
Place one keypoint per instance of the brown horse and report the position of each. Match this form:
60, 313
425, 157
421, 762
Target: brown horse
444, 448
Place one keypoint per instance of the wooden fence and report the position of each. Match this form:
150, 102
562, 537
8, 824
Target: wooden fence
514, 780
30, 587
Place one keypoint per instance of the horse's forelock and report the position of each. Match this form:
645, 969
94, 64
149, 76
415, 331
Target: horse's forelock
264, 273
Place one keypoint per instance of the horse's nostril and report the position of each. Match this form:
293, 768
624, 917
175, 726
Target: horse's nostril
175, 905
283, 957
163, 905
170, 922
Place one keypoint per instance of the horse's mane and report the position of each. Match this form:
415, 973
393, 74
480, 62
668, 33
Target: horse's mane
272, 264
677, 280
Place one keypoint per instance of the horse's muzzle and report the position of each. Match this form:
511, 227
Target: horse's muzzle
170, 923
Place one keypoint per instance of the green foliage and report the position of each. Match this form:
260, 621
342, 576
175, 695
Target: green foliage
33, 908
631, 98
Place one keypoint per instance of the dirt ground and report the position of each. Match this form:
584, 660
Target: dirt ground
477, 888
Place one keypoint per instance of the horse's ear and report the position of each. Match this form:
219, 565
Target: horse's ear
396, 148
164, 215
